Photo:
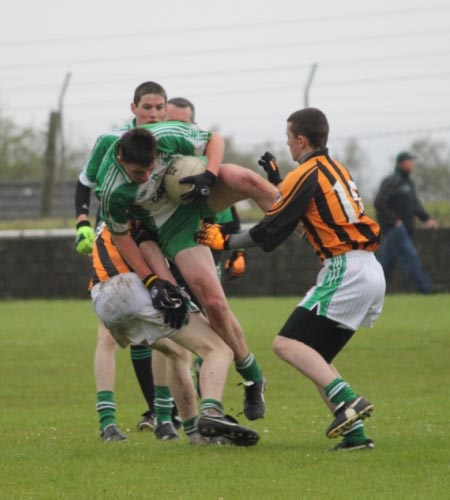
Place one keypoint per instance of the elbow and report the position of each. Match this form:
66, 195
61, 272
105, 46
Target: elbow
267, 246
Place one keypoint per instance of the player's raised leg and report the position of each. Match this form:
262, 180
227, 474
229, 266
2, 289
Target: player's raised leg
236, 183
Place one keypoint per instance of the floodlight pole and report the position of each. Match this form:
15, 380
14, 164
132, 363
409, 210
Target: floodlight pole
308, 84
61, 138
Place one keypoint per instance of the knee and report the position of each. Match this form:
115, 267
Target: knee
279, 346
215, 306
221, 349
217, 350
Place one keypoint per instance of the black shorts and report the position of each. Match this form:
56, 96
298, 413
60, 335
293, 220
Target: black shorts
318, 332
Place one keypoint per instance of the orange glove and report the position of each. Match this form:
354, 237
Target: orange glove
211, 236
235, 265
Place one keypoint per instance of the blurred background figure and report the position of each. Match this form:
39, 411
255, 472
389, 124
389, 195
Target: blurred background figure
397, 206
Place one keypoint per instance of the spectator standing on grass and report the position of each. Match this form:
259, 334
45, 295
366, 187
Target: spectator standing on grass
349, 291
397, 206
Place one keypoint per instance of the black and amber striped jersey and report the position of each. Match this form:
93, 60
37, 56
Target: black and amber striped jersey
322, 195
106, 259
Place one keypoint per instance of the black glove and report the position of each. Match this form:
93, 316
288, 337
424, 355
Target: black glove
177, 317
201, 186
141, 233
269, 163
168, 298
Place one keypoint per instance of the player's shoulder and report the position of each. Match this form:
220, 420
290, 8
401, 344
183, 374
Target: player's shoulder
390, 180
108, 138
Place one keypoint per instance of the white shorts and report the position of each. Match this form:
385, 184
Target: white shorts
349, 289
125, 307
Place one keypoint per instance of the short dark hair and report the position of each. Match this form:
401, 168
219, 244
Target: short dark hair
138, 146
313, 124
182, 102
404, 156
148, 88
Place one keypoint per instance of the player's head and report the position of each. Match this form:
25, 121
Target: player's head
180, 109
307, 130
149, 103
405, 161
137, 154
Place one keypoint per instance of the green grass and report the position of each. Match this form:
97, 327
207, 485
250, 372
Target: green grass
50, 447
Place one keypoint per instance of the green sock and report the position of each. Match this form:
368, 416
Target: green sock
198, 362
211, 404
106, 409
339, 391
355, 433
249, 368
163, 404
190, 426
140, 352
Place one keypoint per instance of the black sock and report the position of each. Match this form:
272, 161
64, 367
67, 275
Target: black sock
141, 357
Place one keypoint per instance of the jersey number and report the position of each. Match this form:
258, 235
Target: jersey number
345, 202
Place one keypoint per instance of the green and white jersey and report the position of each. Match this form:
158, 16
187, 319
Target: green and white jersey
88, 176
147, 202
178, 138
174, 138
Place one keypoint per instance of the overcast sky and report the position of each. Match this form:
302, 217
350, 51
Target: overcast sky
382, 74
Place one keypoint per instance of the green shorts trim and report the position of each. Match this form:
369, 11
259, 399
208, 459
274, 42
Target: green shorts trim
325, 290
178, 232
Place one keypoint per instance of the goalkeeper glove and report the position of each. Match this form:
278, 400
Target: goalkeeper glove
269, 163
235, 265
201, 186
211, 235
169, 299
85, 238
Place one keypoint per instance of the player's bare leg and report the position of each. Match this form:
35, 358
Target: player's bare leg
105, 377
305, 359
177, 372
163, 404
198, 269
217, 357
235, 183
199, 337
105, 359
350, 409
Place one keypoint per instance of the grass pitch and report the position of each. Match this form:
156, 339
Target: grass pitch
50, 446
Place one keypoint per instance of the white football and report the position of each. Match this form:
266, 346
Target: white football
181, 166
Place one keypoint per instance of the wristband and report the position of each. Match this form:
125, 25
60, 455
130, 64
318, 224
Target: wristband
148, 280
83, 223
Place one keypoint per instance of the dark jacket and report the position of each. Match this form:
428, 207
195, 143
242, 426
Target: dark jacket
397, 199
